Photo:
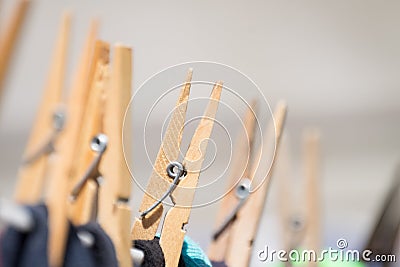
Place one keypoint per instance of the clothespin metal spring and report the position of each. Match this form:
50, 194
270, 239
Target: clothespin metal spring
242, 193
48, 147
99, 145
176, 171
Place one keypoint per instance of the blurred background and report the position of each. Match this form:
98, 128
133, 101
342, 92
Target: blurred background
336, 63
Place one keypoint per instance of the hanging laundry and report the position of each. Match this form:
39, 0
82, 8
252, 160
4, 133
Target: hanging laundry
26, 249
30, 248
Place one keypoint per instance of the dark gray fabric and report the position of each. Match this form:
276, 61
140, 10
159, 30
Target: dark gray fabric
218, 264
26, 249
30, 249
102, 254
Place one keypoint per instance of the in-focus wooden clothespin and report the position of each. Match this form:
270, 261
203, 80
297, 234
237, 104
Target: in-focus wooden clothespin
311, 148
242, 153
49, 122
9, 36
115, 214
245, 225
59, 185
145, 228
185, 178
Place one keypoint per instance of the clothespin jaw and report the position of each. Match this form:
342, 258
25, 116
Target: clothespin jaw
59, 188
88, 157
33, 171
8, 38
243, 149
248, 217
145, 228
173, 232
114, 215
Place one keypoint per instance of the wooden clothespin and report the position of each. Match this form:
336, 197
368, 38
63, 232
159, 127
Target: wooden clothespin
91, 145
245, 225
66, 146
311, 143
291, 223
145, 228
48, 124
243, 149
9, 37
115, 214
185, 176
106, 159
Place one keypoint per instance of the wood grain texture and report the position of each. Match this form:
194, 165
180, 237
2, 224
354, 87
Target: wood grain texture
117, 183
91, 126
159, 181
31, 176
248, 218
9, 37
177, 217
243, 148
59, 185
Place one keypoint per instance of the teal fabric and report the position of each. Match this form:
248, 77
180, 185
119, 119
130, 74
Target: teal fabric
193, 255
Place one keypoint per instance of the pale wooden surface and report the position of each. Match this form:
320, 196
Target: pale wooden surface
32, 175
288, 233
243, 148
177, 217
159, 181
92, 124
59, 185
248, 218
9, 37
114, 215
311, 150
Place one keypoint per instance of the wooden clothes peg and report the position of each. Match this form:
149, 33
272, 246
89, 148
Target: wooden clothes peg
32, 173
183, 188
145, 228
291, 220
66, 145
88, 153
177, 217
115, 215
247, 221
9, 37
243, 149
105, 114
311, 141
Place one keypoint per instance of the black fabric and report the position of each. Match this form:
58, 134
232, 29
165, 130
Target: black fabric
153, 254
26, 249
218, 264
30, 249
